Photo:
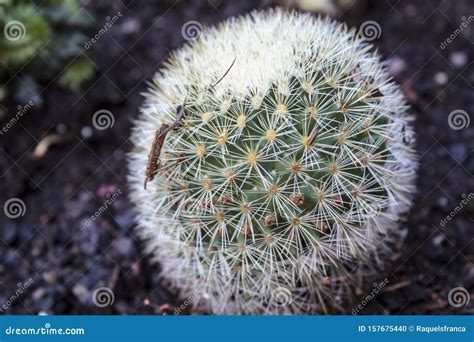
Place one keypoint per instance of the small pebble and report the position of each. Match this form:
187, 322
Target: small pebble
38, 293
458, 59
441, 78
61, 128
50, 277
130, 26
437, 240
86, 132
443, 201
124, 245
396, 66
106, 189
81, 292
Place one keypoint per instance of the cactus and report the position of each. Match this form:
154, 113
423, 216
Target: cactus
287, 169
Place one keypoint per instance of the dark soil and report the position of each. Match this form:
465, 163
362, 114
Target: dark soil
67, 258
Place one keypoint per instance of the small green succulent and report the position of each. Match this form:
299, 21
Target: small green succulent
42, 41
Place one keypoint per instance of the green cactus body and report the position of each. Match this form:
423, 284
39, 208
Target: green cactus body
268, 191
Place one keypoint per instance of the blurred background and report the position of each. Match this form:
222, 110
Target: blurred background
71, 74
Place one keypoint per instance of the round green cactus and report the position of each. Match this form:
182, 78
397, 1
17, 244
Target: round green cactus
285, 168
